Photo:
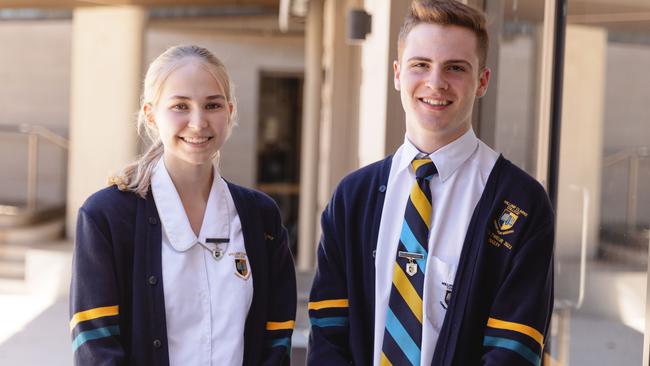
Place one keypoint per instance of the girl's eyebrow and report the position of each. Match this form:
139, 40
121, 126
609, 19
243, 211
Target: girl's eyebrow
209, 97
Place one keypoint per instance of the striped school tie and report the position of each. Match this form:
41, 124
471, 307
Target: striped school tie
403, 333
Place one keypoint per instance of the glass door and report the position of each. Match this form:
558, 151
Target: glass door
603, 207
603, 200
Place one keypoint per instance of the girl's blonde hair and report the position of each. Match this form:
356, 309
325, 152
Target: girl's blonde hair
136, 177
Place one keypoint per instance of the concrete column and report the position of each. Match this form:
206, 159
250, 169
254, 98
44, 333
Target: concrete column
308, 213
381, 117
581, 147
106, 74
340, 100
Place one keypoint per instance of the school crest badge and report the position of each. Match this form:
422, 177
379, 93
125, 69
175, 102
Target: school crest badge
505, 222
241, 265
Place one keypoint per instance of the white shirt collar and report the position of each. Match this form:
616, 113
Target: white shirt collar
447, 159
172, 213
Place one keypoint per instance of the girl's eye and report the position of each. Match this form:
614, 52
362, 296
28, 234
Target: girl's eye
179, 107
213, 106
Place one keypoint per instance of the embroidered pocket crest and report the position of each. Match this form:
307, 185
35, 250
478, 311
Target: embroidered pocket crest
241, 265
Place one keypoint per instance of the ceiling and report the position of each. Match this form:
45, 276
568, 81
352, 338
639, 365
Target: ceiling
76, 3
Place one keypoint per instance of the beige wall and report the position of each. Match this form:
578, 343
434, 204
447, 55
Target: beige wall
627, 121
581, 138
381, 116
106, 68
34, 89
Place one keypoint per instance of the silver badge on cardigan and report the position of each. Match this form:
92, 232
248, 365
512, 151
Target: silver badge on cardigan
411, 266
241, 265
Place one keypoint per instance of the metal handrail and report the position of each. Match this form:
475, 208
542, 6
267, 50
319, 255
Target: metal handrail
633, 157
34, 132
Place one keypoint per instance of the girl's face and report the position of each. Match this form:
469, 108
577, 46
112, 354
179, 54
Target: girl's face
192, 116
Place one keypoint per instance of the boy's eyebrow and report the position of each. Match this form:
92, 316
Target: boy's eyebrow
460, 61
419, 58
453, 61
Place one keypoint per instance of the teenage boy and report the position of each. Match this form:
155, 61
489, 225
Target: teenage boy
441, 254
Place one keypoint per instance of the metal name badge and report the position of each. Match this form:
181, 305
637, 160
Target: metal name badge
217, 253
411, 267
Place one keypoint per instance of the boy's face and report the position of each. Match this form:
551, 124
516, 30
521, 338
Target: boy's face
438, 78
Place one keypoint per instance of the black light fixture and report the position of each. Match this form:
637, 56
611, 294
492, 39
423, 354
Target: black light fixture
359, 25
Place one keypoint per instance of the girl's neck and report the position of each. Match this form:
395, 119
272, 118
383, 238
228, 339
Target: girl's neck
191, 181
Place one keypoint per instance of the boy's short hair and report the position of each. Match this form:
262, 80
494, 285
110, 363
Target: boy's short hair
446, 12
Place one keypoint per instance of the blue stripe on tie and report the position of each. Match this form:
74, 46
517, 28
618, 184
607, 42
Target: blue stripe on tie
329, 322
413, 245
514, 346
98, 333
280, 342
402, 338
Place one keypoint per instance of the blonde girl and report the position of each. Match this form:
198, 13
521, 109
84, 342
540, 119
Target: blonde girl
173, 265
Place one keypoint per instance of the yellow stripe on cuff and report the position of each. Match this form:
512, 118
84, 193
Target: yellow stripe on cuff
517, 327
93, 314
280, 325
337, 303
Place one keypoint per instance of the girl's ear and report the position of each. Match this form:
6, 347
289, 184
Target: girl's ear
147, 109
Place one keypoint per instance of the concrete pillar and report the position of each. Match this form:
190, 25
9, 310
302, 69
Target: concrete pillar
308, 214
340, 101
381, 117
581, 148
106, 74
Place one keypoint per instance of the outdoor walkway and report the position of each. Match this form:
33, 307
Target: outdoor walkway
34, 326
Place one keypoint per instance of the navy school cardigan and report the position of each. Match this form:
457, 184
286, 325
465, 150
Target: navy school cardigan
502, 300
117, 306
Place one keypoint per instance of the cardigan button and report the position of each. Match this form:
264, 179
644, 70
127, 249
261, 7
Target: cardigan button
382, 188
157, 343
153, 280
153, 220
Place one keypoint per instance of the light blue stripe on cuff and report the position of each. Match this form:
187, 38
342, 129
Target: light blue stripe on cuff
329, 322
514, 346
280, 342
402, 338
413, 245
98, 333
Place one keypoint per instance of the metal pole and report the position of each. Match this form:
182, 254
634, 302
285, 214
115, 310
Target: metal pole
307, 217
32, 171
632, 189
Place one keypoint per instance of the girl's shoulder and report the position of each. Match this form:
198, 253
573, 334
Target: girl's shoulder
111, 201
251, 197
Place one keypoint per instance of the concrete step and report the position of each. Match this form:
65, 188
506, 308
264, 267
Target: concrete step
633, 255
18, 215
13, 286
12, 270
49, 230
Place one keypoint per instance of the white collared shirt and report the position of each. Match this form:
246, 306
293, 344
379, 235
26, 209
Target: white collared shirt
463, 166
206, 300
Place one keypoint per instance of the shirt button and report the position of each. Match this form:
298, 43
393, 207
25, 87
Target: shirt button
153, 280
157, 343
382, 188
153, 220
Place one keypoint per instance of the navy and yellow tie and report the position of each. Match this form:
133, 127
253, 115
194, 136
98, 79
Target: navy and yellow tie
403, 334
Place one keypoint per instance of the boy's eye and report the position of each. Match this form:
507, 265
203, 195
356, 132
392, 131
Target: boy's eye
419, 65
456, 68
